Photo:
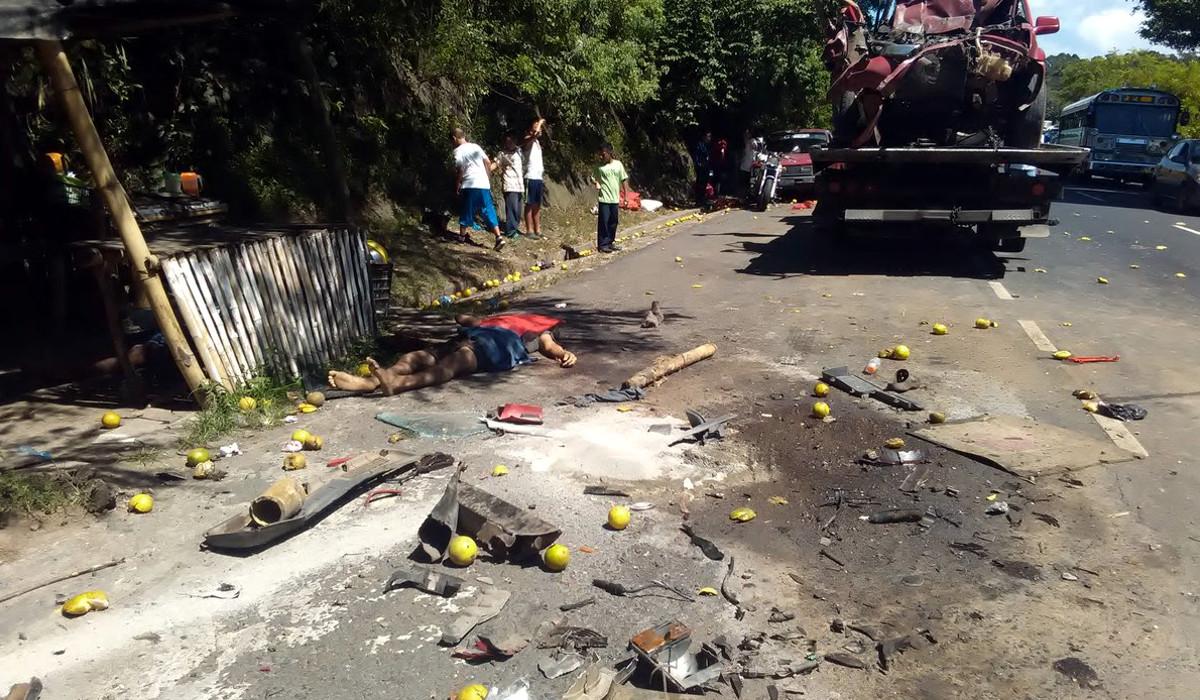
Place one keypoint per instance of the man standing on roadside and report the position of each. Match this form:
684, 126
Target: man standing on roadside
745, 162
509, 162
700, 158
611, 181
535, 195
474, 187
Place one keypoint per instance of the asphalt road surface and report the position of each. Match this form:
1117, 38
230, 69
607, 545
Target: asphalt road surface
1109, 578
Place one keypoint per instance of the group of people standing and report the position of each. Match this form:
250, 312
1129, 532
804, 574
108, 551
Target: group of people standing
715, 163
522, 172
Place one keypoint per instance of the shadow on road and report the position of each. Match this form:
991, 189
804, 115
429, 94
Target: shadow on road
919, 252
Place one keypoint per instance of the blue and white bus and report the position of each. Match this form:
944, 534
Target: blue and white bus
1127, 129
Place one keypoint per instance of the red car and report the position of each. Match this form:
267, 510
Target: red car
796, 167
937, 73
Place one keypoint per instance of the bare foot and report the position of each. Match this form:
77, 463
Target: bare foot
387, 380
349, 382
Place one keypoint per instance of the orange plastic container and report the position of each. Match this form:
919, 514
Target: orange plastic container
190, 182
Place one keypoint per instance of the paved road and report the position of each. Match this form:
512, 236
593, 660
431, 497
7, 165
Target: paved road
781, 304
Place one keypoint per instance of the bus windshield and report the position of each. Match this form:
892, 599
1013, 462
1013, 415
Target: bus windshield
1136, 120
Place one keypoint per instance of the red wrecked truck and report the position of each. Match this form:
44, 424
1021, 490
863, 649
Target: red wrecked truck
938, 107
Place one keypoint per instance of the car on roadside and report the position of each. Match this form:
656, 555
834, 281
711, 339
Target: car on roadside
796, 177
1176, 178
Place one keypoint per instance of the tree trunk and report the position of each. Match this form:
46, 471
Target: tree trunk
340, 208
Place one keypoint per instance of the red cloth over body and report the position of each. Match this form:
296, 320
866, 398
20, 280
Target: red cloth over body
528, 326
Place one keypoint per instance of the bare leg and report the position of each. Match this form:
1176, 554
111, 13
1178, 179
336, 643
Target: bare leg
457, 364
349, 382
466, 320
412, 362
535, 219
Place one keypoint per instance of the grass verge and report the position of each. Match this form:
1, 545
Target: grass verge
31, 493
224, 412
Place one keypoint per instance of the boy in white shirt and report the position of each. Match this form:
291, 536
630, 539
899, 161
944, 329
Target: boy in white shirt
534, 187
474, 187
510, 163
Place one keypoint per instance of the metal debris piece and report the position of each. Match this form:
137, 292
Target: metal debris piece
618, 589
603, 491
427, 580
226, 591
845, 660
564, 664
997, 508
487, 606
972, 547
844, 379
894, 515
703, 429
664, 648
576, 638
567, 607
888, 455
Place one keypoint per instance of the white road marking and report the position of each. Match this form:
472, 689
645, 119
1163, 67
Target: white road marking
1092, 197
1120, 435
1181, 227
1000, 291
1037, 336
1114, 429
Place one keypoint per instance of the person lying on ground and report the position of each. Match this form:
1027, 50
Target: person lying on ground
482, 345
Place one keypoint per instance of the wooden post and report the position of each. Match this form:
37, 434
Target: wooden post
669, 365
145, 266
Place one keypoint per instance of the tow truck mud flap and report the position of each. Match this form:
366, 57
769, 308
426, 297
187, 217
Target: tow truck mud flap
1035, 231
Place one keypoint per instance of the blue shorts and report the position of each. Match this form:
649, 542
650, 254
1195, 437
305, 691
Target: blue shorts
496, 349
534, 193
473, 201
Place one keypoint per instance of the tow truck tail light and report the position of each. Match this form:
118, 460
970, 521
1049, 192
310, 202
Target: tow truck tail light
1038, 190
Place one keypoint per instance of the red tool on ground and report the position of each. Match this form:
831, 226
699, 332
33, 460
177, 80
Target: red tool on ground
1088, 360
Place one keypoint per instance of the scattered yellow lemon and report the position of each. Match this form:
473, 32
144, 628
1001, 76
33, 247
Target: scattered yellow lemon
1102, 280
743, 515
937, 417
1062, 355
247, 404
885, 353
982, 323
435, 303
314, 443
1091, 406
301, 436
618, 517
1084, 238
500, 470
564, 266
820, 410
196, 456
895, 443
678, 259
472, 692
294, 461
141, 503
306, 407
821, 389
315, 398
463, 550
707, 590
1180, 275
901, 352
110, 420
940, 329
363, 369
85, 603
1135, 267
557, 557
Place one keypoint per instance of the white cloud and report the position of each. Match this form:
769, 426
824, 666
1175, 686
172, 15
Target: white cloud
1092, 28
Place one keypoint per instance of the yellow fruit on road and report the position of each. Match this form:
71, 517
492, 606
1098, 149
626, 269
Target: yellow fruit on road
294, 462
743, 515
885, 353
315, 398
1181, 275
678, 259
1091, 406
901, 352
110, 420
463, 550
435, 303
557, 557
85, 603
1102, 280
940, 329
618, 517
314, 443
306, 408
937, 418
1062, 355
197, 456
247, 404
472, 692
895, 443
821, 389
203, 470
363, 369
500, 470
564, 266
982, 323
141, 503
820, 410
301, 436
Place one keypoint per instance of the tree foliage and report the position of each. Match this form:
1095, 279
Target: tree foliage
1078, 78
231, 102
1174, 23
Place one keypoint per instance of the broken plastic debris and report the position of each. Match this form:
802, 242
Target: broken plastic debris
640, 505
561, 305
292, 446
229, 450
997, 508
226, 591
290, 419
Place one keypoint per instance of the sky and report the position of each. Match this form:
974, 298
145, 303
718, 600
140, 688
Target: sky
1091, 27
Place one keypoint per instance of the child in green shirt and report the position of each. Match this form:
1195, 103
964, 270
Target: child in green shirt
611, 181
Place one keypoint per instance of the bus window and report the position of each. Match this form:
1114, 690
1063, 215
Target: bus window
1135, 120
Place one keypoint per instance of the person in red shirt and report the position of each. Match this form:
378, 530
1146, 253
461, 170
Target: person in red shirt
480, 349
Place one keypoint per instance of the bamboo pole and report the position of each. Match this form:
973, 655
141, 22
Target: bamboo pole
222, 288
282, 321
293, 302
242, 260
319, 266
669, 365
212, 318
237, 295
145, 266
192, 318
